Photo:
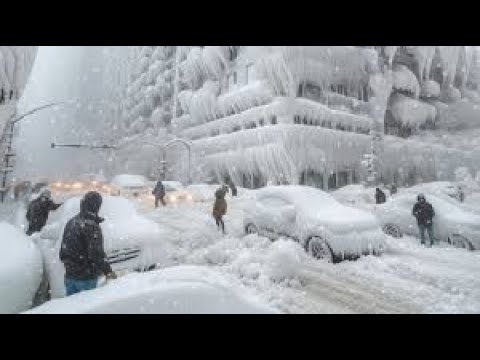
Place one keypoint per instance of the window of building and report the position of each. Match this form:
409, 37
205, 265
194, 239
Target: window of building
274, 120
235, 78
261, 122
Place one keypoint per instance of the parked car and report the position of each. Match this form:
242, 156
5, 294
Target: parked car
452, 223
131, 186
132, 242
441, 189
324, 227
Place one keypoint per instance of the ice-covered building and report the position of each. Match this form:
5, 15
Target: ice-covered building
16, 63
299, 114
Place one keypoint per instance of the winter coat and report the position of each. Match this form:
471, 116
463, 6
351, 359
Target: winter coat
38, 210
220, 206
159, 190
423, 212
82, 250
380, 197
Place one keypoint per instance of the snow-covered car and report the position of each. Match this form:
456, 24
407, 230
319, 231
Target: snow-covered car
132, 242
132, 186
20, 270
175, 192
323, 226
175, 290
442, 189
452, 223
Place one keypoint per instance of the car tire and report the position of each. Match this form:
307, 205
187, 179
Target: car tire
319, 249
393, 231
251, 229
460, 241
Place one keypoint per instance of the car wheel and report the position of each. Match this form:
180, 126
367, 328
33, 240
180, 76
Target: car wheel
393, 231
319, 249
460, 241
251, 229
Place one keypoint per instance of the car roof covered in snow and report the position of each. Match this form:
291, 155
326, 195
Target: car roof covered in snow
128, 180
315, 203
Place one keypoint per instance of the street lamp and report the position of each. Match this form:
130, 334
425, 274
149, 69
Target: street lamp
7, 137
164, 162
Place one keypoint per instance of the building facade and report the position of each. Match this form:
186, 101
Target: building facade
299, 115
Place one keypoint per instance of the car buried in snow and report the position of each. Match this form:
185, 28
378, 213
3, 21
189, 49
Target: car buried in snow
452, 223
131, 241
324, 227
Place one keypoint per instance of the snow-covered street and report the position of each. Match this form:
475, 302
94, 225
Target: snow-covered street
408, 278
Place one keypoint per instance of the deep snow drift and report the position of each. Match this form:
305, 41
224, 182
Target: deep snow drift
177, 290
20, 270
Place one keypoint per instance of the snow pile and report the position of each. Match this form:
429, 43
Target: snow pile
412, 112
405, 80
451, 94
20, 270
177, 290
129, 181
430, 89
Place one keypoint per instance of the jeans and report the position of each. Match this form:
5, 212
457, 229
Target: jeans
75, 286
220, 223
160, 199
429, 228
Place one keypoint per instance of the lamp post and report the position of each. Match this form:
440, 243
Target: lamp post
165, 146
7, 137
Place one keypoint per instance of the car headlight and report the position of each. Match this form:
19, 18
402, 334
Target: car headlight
77, 186
173, 198
189, 197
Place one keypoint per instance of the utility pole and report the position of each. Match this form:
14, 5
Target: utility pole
7, 141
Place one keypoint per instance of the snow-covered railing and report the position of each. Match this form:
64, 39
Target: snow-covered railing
283, 111
333, 99
281, 152
309, 112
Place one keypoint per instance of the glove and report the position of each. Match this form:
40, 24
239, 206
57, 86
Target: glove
111, 276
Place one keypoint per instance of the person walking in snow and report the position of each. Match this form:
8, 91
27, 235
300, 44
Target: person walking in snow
393, 189
159, 193
232, 187
82, 250
424, 213
38, 211
220, 207
380, 196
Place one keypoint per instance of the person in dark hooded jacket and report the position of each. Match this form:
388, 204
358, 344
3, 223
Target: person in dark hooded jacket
159, 193
82, 249
220, 207
380, 196
38, 211
424, 213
